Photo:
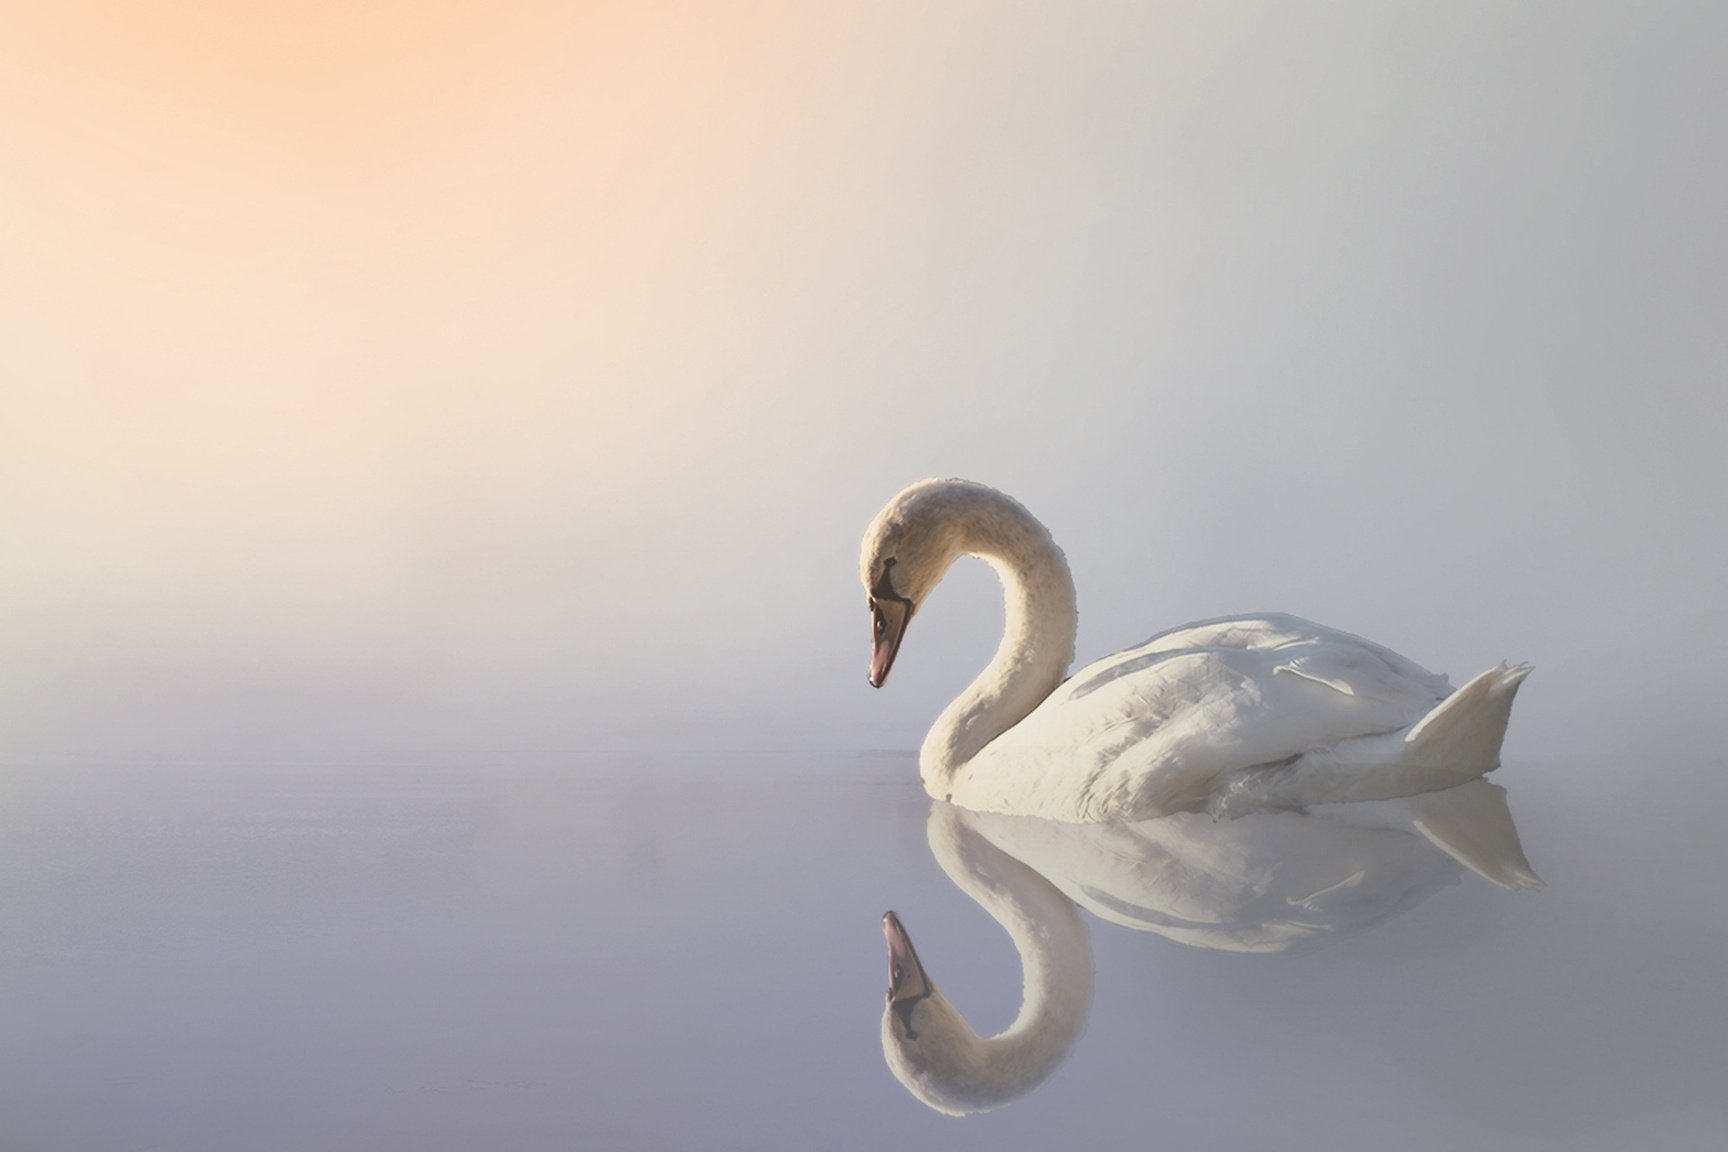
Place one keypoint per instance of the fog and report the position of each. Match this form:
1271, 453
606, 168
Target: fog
435, 441
524, 378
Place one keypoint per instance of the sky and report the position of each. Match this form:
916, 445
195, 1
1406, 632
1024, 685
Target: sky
389, 379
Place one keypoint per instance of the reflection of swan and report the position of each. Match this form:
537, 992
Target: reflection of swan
926, 1041
1266, 883
1231, 715
1271, 881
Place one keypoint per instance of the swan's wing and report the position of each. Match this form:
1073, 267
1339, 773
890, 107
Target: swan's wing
1316, 646
1151, 730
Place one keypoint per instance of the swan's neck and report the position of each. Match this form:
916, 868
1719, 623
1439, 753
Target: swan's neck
1056, 966
1037, 641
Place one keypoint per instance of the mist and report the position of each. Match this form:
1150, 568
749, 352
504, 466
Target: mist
528, 383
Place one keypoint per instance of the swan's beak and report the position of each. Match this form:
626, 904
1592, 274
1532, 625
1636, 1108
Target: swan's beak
906, 978
887, 625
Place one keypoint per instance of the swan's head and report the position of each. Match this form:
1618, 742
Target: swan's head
927, 1043
907, 550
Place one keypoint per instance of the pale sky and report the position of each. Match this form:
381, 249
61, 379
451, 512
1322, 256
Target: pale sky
394, 378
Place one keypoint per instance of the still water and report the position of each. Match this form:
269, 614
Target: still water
682, 951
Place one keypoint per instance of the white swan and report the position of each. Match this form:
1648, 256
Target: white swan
1270, 882
1229, 715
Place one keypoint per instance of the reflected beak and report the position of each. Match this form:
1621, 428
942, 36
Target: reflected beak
887, 626
906, 979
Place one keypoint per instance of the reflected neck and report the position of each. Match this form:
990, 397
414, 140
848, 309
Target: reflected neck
1037, 639
1055, 960
1056, 995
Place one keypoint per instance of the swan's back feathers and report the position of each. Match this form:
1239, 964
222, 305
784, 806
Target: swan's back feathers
1154, 729
1304, 641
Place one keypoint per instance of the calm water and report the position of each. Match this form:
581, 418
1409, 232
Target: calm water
618, 951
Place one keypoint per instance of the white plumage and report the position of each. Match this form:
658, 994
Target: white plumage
1228, 715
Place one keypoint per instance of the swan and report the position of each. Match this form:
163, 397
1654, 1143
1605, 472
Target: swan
1229, 715
1269, 882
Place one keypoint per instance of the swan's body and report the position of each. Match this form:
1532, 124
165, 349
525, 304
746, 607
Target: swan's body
1228, 715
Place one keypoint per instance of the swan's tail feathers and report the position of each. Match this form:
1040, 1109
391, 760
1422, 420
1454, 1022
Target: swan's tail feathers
1460, 739
1472, 824
1455, 743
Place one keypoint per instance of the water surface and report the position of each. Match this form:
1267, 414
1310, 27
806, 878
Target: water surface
641, 951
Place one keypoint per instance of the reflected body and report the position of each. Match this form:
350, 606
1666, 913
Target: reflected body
1270, 882
1232, 715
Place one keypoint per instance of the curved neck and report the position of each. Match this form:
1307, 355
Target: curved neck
1055, 962
1037, 639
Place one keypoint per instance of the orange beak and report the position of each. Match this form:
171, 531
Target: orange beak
887, 627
